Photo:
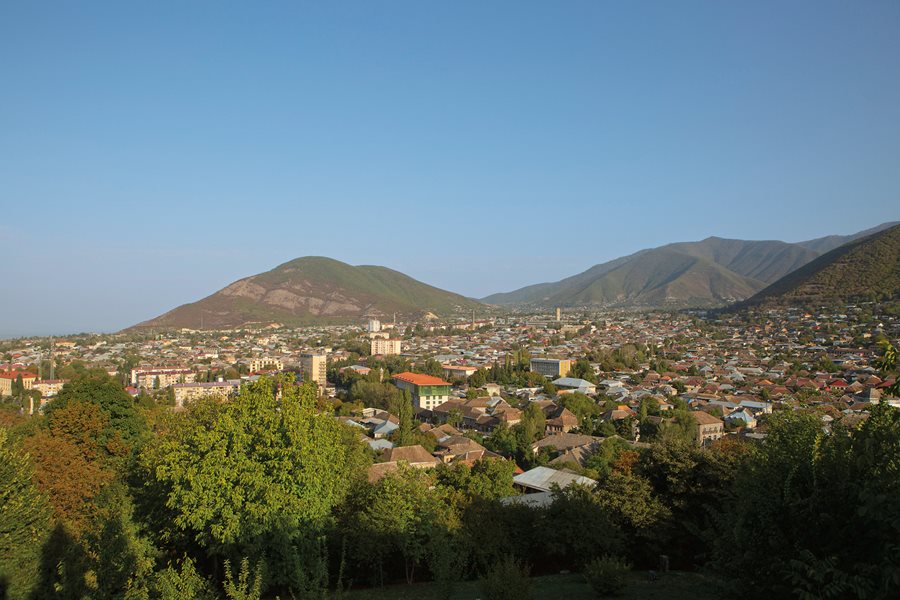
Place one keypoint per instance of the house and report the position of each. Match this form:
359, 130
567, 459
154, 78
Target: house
559, 419
544, 479
741, 417
574, 383
458, 371
415, 456
709, 428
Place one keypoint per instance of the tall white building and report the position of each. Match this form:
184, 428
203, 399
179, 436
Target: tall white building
314, 368
374, 326
385, 346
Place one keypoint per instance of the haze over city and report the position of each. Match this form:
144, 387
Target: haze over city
152, 154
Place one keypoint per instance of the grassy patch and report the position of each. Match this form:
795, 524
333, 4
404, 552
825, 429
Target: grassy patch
671, 586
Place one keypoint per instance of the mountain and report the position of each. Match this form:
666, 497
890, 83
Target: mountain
830, 242
864, 269
711, 271
704, 273
313, 290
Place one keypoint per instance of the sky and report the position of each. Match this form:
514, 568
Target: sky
153, 152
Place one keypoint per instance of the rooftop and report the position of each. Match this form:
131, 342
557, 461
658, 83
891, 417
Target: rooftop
419, 379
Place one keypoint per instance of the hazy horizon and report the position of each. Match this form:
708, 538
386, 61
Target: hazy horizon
153, 154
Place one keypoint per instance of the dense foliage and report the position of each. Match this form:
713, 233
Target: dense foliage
266, 494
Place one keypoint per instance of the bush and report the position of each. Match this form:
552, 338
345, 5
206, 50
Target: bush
607, 575
507, 580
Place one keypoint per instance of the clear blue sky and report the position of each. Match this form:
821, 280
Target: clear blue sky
153, 152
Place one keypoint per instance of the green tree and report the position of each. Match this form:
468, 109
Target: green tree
826, 505
24, 519
398, 514
125, 424
251, 476
403, 408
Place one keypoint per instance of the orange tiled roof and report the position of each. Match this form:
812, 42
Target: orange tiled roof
419, 379
15, 374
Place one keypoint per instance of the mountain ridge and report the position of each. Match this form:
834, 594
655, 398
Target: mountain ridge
313, 290
729, 270
866, 268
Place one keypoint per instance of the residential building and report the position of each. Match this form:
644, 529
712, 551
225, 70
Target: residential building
266, 364
385, 346
552, 368
543, 479
8, 378
49, 387
160, 377
188, 392
427, 392
709, 428
458, 371
575, 384
314, 367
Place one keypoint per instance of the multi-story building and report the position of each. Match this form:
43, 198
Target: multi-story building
374, 326
386, 347
8, 378
551, 367
160, 377
266, 364
709, 428
314, 368
187, 392
49, 387
426, 391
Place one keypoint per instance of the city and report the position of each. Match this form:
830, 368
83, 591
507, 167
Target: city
409, 300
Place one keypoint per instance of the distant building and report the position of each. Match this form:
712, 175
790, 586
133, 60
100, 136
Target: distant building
160, 377
551, 367
426, 391
544, 479
385, 346
574, 383
313, 367
709, 428
374, 326
188, 392
49, 387
8, 378
459, 371
266, 364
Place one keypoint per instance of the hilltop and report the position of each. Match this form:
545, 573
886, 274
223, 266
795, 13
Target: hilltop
314, 290
864, 269
713, 271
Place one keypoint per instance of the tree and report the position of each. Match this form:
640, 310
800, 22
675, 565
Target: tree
577, 528
23, 518
72, 462
825, 503
255, 475
403, 408
398, 514
124, 421
487, 478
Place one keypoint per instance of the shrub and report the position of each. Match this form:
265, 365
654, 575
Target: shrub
507, 580
607, 575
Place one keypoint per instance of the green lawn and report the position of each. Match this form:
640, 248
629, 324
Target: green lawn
671, 586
